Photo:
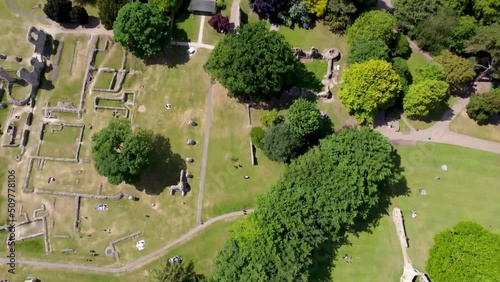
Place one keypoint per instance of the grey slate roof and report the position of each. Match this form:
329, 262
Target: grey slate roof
203, 6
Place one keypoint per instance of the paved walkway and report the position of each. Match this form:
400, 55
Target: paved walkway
205, 154
235, 17
200, 33
137, 262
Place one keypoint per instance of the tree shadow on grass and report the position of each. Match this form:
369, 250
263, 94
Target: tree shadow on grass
243, 17
178, 33
172, 56
164, 169
306, 79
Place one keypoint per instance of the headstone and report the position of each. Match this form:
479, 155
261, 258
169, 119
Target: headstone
192, 123
3, 57
190, 142
189, 160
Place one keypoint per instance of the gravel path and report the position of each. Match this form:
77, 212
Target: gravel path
133, 264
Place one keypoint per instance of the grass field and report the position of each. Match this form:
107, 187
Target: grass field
466, 191
465, 125
415, 61
186, 27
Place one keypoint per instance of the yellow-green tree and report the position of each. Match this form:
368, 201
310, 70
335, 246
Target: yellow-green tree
367, 87
317, 7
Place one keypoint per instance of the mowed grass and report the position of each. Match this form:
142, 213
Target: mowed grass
186, 27
60, 143
465, 125
110, 59
226, 189
468, 190
31, 6
103, 80
415, 61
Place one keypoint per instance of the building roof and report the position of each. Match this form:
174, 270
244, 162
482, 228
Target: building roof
203, 6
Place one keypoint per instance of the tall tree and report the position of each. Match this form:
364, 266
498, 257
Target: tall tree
401, 67
487, 12
233, 62
280, 143
272, 118
459, 71
482, 107
373, 25
362, 51
270, 9
141, 29
167, 6
467, 252
304, 117
465, 30
409, 13
486, 42
423, 97
367, 87
79, 15
119, 154
434, 33
175, 272
58, 10
108, 11
401, 47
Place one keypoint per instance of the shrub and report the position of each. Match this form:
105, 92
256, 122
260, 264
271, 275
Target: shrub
257, 134
272, 118
219, 23
482, 106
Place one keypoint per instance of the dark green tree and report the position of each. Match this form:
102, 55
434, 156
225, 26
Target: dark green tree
423, 97
467, 27
487, 12
119, 154
79, 15
141, 29
304, 117
401, 47
167, 6
482, 107
175, 272
468, 252
58, 10
362, 51
340, 14
409, 13
256, 135
401, 67
373, 25
429, 72
434, 33
459, 71
485, 44
233, 62
108, 11
280, 143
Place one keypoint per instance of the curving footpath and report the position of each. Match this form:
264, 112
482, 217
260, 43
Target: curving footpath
135, 263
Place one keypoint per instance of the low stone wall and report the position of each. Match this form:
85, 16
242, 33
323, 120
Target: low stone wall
71, 194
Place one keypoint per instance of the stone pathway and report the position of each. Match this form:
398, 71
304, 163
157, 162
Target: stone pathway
205, 154
137, 262
235, 17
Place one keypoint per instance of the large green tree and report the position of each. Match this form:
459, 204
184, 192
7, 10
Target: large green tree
373, 25
341, 13
367, 87
79, 15
487, 12
108, 11
409, 13
433, 33
482, 107
308, 207
466, 28
429, 72
304, 117
58, 10
467, 252
141, 29
486, 45
166, 6
362, 51
280, 143
119, 154
459, 71
423, 97
401, 67
175, 272
253, 61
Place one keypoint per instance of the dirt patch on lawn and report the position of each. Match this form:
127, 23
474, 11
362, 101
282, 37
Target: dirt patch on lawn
142, 109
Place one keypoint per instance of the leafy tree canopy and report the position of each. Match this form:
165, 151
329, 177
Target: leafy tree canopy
429, 72
272, 118
166, 6
58, 10
482, 107
372, 25
317, 7
257, 134
341, 13
424, 97
270, 9
219, 23
280, 143
362, 51
79, 15
175, 272
308, 207
367, 87
466, 29
141, 29
401, 47
304, 117
459, 71
487, 11
401, 67
119, 154
434, 33
468, 252
409, 13
108, 11
234, 62
487, 40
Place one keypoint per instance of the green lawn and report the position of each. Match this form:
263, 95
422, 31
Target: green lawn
60, 144
247, 15
416, 60
111, 59
103, 80
465, 125
468, 190
186, 27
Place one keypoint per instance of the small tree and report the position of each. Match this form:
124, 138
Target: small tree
482, 106
108, 11
299, 13
219, 23
362, 51
405, 77
272, 118
304, 117
429, 72
166, 6
256, 135
141, 29
79, 15
317, 7
459, 71
372, 25
401, 47
424, 97
280, 144
58, 10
